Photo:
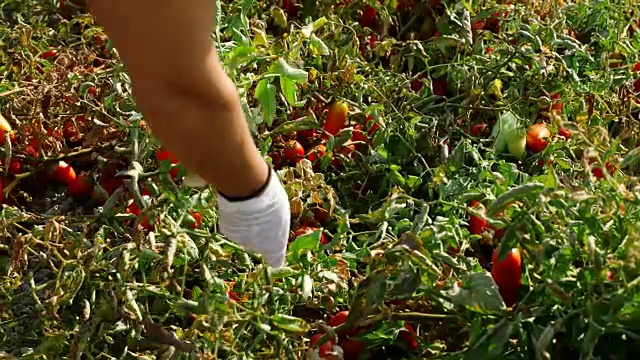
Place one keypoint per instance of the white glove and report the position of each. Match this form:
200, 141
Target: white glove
260, 224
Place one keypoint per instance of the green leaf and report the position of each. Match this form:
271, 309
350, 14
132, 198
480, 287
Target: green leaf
296, 125
318, 46
288, 72
479, 293
303, 244
308, 29
288, 88
517, 193
631, 158
290, 323
266, 95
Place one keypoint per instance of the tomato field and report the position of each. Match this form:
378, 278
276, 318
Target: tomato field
463, 181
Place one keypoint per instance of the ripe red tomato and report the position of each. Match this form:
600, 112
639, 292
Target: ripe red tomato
197, 217
507, 274
476, 224
599, 173
325, 349
92, 90
293, 151
164, 155
50, 54
416, 85
135, 210
336, 118
304, 230
316, 153
636, 67
32, 151
56, 134
439, 87
352, 348
339, 318
15, 167
110, 185
372, 125
81, 186
368, 16
69, 130
478, 129
557, 106
535, 137
566, 134
64, 173
357, 135
409, 337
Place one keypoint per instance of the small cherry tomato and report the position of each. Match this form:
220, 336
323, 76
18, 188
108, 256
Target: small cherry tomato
478, 129
64, 173
50, 54
198, 219
566, 134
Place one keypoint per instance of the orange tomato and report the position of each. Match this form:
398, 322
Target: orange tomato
336, 118
535, 137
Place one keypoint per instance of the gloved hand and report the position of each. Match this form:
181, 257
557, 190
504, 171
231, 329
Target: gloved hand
260, 224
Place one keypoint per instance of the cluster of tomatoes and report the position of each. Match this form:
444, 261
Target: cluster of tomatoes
351, 347
316, 139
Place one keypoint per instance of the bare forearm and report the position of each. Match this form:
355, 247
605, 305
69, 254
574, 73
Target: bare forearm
209, 134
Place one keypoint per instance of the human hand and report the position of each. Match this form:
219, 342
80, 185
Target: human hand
260, 224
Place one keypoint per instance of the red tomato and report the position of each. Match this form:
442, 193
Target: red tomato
316, 153
135, 210
69, 130
556, 105
439, 87
535, 137
372, 125
507, 274
31, 151
416, 85
339, 318
636, 67
599, 173
409, 337
196, 215
358, 135
56, 134
64, 173
403, 5
478, 129
81, 186
325, 349
478, 25
336, 118
110, 185
15, 167
164, 155
92, 90
293, 151
636, 86
368, 16
566, 134
476, 224
49, 54
351, 348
